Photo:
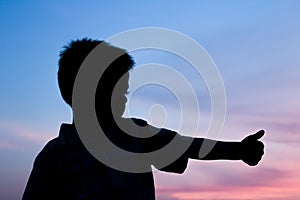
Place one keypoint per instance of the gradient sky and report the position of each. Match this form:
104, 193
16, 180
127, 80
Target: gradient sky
255, 45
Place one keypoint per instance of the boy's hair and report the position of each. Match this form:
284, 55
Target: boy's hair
71, 58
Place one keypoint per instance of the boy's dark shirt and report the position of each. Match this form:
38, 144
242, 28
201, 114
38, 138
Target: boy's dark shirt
64, 169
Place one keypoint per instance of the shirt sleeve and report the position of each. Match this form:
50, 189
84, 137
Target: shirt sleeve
162, 137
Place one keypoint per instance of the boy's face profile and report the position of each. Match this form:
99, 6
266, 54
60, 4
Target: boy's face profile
119, 99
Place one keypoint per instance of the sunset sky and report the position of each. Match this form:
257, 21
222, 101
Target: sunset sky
255, 45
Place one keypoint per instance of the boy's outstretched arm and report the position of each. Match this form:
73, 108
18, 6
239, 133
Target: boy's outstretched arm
250, 150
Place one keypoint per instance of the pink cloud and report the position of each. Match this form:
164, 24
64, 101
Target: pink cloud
283, 192
252, 178
7, 145
32, 136
17, 134
249, 183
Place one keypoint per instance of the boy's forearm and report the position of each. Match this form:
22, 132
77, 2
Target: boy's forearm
214, 150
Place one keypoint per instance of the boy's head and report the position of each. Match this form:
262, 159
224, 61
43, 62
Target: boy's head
71, 58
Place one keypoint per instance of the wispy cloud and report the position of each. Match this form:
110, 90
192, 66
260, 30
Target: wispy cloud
16, 134
223, 192
7, 145
232, 180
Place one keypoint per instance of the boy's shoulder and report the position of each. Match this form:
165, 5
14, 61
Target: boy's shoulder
67, 135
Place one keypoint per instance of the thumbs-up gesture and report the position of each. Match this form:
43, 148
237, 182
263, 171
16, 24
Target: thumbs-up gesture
252, 148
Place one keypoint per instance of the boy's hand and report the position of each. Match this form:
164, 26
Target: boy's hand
252, 150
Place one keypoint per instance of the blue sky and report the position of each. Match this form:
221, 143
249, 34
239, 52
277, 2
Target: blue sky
255, 45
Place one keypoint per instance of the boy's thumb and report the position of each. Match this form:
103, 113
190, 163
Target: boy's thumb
256, 136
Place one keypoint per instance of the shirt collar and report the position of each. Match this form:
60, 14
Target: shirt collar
68, 133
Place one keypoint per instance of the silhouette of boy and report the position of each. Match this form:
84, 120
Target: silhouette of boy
65, 169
